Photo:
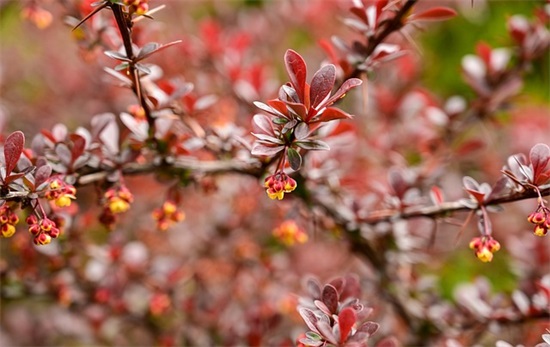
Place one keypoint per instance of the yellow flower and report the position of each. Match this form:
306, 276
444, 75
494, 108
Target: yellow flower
484, 254
64, 200
118, 205
289, 233
8, 230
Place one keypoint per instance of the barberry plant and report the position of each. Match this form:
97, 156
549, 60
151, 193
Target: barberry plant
371, 174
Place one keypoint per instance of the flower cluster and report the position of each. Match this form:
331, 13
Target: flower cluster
484, 247
139, 7
117, 201
289, 233
37, 15
8, 220
167, 215
60, 192
43, 230
278, 184
541, 219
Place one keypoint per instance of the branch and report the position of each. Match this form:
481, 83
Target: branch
124, 25
449, 207
390, 26
251, 167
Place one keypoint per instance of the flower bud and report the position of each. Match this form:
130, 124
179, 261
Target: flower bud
42, 239
7, 230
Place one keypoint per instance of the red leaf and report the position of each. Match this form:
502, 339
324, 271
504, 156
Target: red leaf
331, 113
436, 194
79, 144
351, 288
435, 13
477, 195
344, 88
13, 147
330, 297
322, 84
359, 12
346, 320
483, 50
539, 157
42, 174
297, 71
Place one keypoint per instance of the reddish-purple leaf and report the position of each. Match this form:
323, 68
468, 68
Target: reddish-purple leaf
268, 139
478, 196
351, 289
338, 283
331, 113
279, 106
389, 341
288, 93
321, 306
13, 177
42, 174
13, 147
273, 108
322, 84
470, 183
64, 154
346, 320
298, 109
539, 157
344, 88
397, 182
309, 318
369, 327
314, 288
498, 189
79, 144
324, 329
330, 297
297, 71
434, 13
153, 47
261, 149
263, 124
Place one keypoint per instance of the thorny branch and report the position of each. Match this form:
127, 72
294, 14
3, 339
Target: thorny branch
124, 25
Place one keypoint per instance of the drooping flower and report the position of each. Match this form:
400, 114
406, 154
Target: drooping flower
541, 219
289, 233
167, 215
484, 247
118, 200
278, 184
8, 220
60, 192
43, 230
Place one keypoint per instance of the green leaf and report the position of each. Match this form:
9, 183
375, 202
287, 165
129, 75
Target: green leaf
294, 158
280, 121
313, 145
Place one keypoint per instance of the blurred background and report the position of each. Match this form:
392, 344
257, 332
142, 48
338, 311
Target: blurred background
223, 276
